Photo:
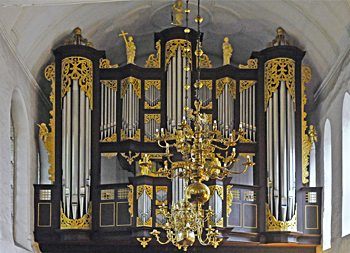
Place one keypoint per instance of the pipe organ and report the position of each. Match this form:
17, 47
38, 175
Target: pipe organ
114, 112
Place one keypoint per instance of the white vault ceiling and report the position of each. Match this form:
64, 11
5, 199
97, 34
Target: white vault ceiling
35, 27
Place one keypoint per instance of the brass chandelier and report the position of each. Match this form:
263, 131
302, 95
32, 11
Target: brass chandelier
186, 219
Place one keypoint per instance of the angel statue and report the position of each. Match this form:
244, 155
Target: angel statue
227, 51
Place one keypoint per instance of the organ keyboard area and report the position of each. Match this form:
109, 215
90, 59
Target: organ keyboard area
105, 120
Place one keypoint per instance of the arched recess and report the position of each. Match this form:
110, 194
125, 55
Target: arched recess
21, 173
346, 165
327, 189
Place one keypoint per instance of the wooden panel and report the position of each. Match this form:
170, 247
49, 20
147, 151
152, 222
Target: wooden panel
123, 215
107, 215
234, 220
44, 214
249, 215
311, 216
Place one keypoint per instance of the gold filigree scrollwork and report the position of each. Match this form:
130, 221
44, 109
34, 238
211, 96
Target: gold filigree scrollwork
251, 64
147, 106
220, 85
147, 223
106, 64
280, 39
306, 140
82, 223
144, 241
109, 155
204, 62
131, 200
219, 188
244, 140
272, 224
147, 188
112, 84
136, 84
77, 68
45, 135
170, 50
124, 137
112, 138
149, 117
277, 70
130, 159
149, 83
246, 84
158, 189
153, 62
229, 199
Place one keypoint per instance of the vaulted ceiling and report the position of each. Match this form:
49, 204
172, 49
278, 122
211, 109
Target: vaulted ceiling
35, 27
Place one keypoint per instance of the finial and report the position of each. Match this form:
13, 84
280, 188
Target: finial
280, 39
78, 39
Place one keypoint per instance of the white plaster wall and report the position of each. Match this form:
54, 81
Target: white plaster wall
330, 106
14, 77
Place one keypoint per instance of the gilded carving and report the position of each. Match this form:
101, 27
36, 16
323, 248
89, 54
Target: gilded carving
220, 223
277, 70
77, 68
130, 159
149, 117
220, 85
112, 84
144, 241
45, 135
307, 141
82, 223
272, 224
246, 84
78, 39
124, 137
136, 84
153, 62
229, 199
157, 106
204, 62
112, 138
147, 223
149, 83
170, 50
251, 64
131, 200
106, 64
219, 188
244, 140
109, 155
147, 188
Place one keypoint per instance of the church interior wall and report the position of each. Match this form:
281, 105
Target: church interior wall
330, 107
19, 97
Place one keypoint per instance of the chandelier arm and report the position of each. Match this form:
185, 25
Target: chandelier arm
218, 147
241, 172
156, 234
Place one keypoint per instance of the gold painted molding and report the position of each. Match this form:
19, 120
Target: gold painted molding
251, 64
77, 68
106, 64
277, 70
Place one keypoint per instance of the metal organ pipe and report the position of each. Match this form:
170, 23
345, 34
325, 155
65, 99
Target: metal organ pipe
276, 154
283, 150
64, 140
68, 151
82, 141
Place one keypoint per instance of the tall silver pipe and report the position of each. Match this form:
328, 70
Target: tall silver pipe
105, 110
283, 150
82, 144
270, 155
69, 150
276, 154
179, 87
64, 158
268, 151
102, 111
182, 88
254, 127
75, 148
88, 152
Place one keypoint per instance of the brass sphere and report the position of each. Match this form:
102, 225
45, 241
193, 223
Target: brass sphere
198, 193
185, 238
